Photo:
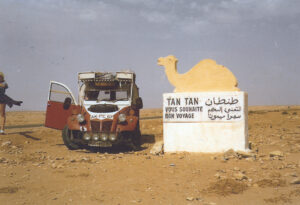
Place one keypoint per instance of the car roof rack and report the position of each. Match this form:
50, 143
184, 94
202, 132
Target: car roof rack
122, 76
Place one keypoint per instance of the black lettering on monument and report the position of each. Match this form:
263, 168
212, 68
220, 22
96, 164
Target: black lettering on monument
185, 115
169, 116
168, 99
208, 102
191, 101
174, 101
171, 109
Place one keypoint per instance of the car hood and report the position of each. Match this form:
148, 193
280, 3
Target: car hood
103, 112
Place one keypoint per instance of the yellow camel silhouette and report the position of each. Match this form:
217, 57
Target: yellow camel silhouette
207, 75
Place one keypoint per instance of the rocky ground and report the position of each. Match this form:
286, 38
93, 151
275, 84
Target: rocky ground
36, 168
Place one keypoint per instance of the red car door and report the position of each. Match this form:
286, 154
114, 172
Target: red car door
60, 104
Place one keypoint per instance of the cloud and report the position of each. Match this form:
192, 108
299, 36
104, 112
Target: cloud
196, 17
189, 17
89, 15
157, 17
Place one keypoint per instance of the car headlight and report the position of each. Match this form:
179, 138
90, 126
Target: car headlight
95, 136
112, 137
104, 136
122, 118
80, 118
86, 136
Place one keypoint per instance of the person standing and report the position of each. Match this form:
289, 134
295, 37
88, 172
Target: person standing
5, 100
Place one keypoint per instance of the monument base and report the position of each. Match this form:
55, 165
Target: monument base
205, 121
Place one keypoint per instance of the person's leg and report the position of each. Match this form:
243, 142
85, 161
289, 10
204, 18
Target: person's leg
2, 118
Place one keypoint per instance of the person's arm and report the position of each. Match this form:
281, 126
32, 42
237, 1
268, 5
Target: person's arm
3, 85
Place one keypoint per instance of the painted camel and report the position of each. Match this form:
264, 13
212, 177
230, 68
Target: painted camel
207, 75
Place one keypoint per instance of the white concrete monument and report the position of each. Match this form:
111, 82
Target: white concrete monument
206, 112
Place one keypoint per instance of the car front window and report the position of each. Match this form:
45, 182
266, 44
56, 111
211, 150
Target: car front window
107, 95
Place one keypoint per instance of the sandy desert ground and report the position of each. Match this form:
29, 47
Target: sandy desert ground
36, 168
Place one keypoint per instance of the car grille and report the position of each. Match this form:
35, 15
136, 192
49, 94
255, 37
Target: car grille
106, 125
96, 125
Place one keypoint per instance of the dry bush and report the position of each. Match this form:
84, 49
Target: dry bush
282, 199
226, 187
9, 190
271, 183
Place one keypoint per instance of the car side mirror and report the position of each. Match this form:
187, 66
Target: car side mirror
67, 103
139, 103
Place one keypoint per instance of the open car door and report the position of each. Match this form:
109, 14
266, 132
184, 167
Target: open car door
60, 104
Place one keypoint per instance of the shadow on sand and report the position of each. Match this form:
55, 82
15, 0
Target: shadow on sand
26, 134
123, 148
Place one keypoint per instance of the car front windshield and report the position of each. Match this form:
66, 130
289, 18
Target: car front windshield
107, 95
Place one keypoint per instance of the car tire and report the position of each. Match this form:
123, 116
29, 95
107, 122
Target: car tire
136, 139
66, 136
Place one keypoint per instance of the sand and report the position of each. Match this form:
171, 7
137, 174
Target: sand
36, 168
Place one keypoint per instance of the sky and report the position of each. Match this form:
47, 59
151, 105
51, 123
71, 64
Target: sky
43, 40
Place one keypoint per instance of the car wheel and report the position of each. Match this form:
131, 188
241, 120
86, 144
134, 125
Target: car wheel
67, 138
136, 139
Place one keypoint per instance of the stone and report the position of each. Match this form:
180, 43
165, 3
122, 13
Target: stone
294, 174
245, 154
85, 159
190, 198
250, 159
157, 148
239, 176
217, 175
224, 159
213, 157
198, 199
276, 154
60, 166
295, 181
209, 203
230, 154
7, 143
